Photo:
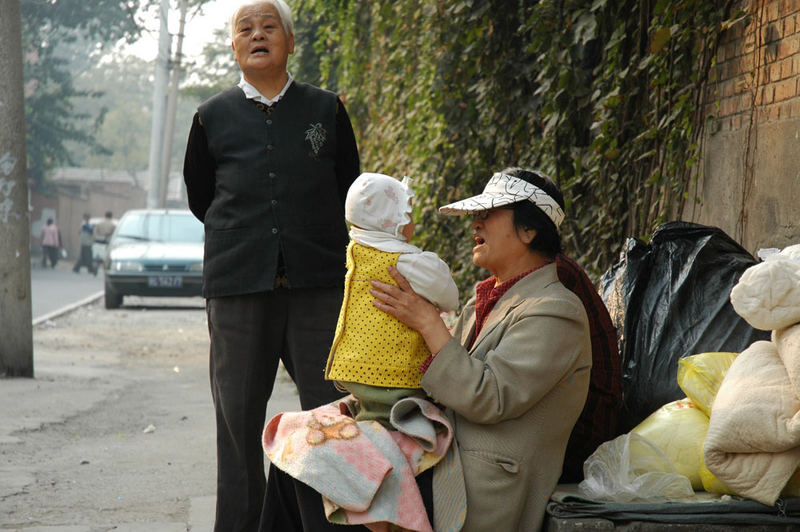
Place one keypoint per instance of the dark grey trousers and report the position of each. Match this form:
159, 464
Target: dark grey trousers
249, 335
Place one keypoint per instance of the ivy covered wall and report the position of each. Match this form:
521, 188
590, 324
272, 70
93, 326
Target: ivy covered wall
605, 96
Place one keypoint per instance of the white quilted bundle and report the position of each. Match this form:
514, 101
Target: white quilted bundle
767, 295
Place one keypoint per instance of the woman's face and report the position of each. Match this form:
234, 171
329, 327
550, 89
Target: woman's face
499, 247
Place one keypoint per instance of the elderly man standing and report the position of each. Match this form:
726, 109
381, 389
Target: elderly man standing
267, 168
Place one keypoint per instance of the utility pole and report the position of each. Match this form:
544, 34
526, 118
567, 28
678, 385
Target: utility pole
159, 104
16, 329
172, 105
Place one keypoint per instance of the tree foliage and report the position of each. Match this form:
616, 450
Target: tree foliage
68, 50
602, 95
54, 34
216, 69
125, 128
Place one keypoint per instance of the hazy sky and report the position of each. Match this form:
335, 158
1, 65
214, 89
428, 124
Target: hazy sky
197, 33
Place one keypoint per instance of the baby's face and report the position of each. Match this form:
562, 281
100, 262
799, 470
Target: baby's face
408, 231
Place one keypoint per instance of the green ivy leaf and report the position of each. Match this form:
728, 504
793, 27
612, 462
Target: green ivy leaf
659, 40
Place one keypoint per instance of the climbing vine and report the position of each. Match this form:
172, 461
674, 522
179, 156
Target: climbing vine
605, 96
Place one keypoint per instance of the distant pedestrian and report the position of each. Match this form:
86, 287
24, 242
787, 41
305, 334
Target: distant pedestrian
87, 238
51, 242
103, 230
102, 234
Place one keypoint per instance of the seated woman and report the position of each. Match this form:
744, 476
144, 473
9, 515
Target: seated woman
515, 372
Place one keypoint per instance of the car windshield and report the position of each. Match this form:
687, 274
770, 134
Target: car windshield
160, 227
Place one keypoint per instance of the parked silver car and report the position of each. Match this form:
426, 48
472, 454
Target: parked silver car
154, 252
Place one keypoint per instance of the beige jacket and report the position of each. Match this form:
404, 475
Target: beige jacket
513, 400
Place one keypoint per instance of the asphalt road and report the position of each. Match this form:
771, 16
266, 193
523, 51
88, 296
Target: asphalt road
53, 289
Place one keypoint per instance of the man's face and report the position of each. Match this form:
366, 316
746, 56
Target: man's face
259, 41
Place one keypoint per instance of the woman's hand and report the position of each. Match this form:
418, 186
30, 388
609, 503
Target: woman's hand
411, 309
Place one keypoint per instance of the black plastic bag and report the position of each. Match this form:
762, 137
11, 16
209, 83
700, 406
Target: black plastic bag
670, 299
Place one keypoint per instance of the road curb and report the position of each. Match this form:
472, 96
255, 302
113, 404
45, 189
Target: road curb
69, 308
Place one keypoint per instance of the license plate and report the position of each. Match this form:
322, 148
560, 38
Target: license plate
165, 281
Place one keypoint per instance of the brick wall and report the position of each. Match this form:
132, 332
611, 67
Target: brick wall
757, 76
749, 178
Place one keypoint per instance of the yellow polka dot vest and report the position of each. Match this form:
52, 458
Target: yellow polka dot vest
370, 346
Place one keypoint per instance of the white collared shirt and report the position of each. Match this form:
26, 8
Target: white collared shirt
251, 93
427, 274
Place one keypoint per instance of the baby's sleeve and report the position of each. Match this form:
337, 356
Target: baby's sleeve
430, 277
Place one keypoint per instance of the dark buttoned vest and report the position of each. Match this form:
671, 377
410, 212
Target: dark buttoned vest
275, 192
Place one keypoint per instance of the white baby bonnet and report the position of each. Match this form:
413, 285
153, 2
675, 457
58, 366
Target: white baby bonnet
378, 202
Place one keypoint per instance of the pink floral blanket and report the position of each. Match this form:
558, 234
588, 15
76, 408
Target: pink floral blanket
364, 472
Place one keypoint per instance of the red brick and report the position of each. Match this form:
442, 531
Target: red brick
769, 94
746, 63
759, 96
773, 11
720, 72
761, 76
724, 108
713, 75
748, 42
710, 93
721, 53
786, 68
788, 26
727, 107
732, 68
741, 84
712, 96
736, 31
773, 73
794, 110
788, 47
734, 49
785, 89
789, 7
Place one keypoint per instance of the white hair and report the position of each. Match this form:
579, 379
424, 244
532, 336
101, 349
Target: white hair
280, 5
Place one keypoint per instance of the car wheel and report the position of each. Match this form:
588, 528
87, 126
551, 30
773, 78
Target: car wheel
113, 299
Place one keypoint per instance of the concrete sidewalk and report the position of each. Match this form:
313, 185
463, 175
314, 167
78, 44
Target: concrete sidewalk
72, 388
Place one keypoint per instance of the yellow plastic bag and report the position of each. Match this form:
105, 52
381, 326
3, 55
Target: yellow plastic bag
679, 430
699, 376
712, 484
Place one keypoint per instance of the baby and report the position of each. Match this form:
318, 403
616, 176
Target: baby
374, 356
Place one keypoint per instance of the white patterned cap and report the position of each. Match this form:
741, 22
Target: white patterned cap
503, 189
379, 202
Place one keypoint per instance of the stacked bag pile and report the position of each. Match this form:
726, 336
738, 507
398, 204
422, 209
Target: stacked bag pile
753, 439
737, 431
